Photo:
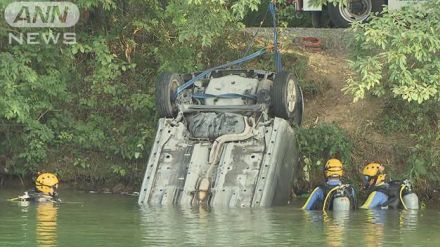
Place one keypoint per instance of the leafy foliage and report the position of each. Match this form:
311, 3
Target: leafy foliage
423, 159
81, 109
397, 54
322, 142
325, 2
287, 15
401, 116
419, 123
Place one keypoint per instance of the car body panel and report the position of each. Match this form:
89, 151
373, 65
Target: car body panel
257, 172
224, 148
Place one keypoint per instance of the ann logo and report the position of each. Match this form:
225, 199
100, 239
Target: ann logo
47, 15
41, 14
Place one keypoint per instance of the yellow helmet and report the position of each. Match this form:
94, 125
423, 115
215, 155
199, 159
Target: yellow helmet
46, 183
373, 174
333, 169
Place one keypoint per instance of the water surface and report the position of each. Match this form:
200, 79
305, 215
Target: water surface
113, 220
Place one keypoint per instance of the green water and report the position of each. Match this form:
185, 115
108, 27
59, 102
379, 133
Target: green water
113, 220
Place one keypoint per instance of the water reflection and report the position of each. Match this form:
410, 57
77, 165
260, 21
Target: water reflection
285, 226
112, 221
374, 227
46, 215
335, 227
408, 219
313, 216
200, 227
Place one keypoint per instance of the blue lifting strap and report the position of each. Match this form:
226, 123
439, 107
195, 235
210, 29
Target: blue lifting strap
223, 96
206, 73
278, 65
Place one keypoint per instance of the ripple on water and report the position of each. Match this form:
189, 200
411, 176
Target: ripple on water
111, 220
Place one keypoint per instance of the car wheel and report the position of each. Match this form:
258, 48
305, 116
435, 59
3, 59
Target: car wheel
355, 10
320, 18
316, 19
298, 115
166, 86
287, 97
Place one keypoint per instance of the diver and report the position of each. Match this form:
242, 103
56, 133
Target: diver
333, 194
46, 185
382, 195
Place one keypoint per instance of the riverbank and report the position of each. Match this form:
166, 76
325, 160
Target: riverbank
83, 163
373, 127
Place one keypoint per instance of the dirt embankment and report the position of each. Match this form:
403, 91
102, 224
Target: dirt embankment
328, 71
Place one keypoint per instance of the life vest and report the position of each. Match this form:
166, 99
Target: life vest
392, 190
347, 191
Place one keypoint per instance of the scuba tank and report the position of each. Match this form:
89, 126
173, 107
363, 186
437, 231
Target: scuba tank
410, 200
400, 195
341, 200
341, 203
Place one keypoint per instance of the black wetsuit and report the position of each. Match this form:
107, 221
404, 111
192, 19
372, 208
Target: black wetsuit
34, 196
392, 190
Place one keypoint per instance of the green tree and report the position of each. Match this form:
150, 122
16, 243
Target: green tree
397, 54
88, 108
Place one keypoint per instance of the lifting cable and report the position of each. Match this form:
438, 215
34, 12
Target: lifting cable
278, 65
205, 74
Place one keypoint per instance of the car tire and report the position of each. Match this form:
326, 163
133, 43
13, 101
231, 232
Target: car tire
287, 100
297, 118
342, 17
166, 86
320, 19
316, 19
378, 6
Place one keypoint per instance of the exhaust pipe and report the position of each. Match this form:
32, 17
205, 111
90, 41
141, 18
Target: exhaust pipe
214, 156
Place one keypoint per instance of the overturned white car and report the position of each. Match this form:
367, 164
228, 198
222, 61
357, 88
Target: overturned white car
224, 140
